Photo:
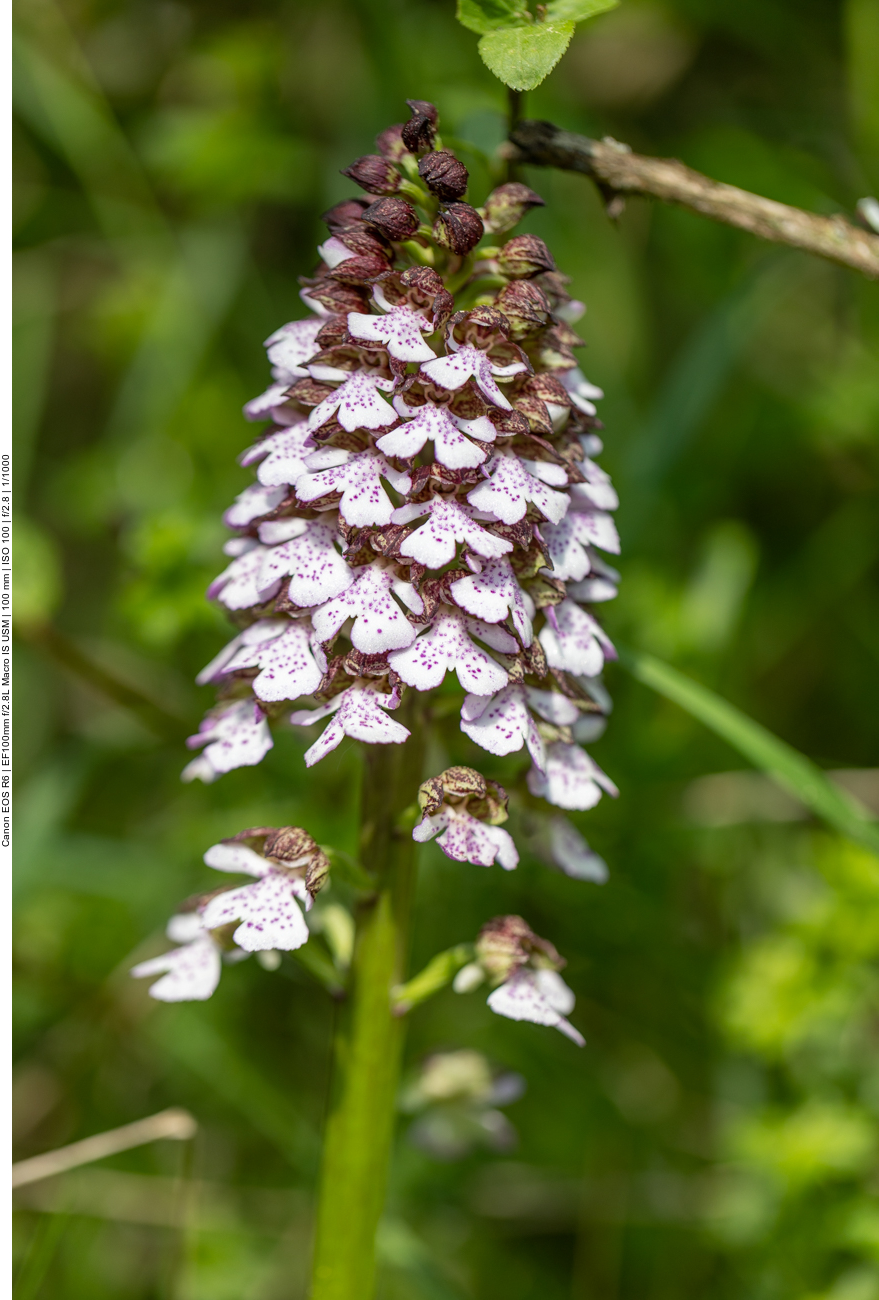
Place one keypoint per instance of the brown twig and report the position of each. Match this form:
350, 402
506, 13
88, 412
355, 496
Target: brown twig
618, 170
174, 1123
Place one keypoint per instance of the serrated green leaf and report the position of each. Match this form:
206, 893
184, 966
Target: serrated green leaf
522, 56
491, 15
577, 11
785, 765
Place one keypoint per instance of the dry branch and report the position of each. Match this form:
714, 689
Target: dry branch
620, 171
175, 1123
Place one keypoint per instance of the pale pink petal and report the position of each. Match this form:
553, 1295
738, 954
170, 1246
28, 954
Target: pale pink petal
433, 544
379, 623
236, 857
523, 997
316, 570
593, 590
287, 663
290, 454
359, 713
581, 392
333, 252
292, 345
400, 330
358, 405
595, 526
432, 424
552, 706
493, 594
468, 362
268, 910
254, 501
573, 855
507, 493
364, 500
577, 644
193, 972
446, 646
502, 724
466, 839
597, 492
570, 778
566, 543
547, 471
262, 407
275, 531
239, 736
240, 585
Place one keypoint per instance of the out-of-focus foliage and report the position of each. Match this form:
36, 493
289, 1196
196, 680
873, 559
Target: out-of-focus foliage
717, 1136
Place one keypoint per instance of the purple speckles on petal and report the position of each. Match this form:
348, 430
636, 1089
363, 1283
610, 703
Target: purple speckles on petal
364, 500
509, 490
493, 594
268, 910
359, 713
432, 424
192, 972
470, 363
357, 405
571, 779
379, 623
433, 544
539, 996
577, 644
238, 736
502, 724
254, 501
287, 664
466, 839
400, 330
316, 569
446, 646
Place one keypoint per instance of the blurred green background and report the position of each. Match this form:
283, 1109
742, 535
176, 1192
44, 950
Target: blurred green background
718, 1135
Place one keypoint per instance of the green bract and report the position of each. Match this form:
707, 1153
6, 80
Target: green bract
518, 50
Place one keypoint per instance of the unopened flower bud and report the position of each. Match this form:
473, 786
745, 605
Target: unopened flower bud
374, 174
390, 142
503, 946
395, 218
420, 131
525, 306
458, 228
507, 942
444, 175
345, 213
524, 256
506, 206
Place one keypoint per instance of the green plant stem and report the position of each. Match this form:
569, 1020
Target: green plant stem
359, 1131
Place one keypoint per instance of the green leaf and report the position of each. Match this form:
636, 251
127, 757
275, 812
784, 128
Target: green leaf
780, 761
490, 15
522, 56
577, 11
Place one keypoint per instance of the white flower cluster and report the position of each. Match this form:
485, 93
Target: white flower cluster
426, 501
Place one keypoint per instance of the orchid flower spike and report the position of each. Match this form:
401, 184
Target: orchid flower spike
427, 501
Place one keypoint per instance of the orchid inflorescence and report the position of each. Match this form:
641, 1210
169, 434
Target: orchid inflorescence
427, 501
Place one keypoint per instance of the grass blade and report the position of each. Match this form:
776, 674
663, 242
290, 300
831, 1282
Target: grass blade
780, 761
